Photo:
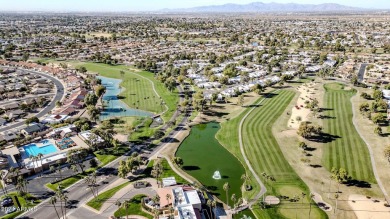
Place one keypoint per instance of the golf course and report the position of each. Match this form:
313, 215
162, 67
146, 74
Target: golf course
141, 89
347, 150
265, 156
203, 155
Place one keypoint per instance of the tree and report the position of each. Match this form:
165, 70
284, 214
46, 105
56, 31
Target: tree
378, 118
306, 130
340, 176
93, 112
178, 161
354, 80
122, 73
377, 95
386, 153
365, 96
100, 90
53, 201
77, 157
126, 205
378, 131
168, 197
246, 178
90, 99
226, 187
240, 100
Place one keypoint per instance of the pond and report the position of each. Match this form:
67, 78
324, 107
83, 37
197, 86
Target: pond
203, 156
114, 107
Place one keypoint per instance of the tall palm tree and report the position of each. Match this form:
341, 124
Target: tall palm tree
209, 203
40, 156
214, 204
226, 187
311, 197
53, 201
126, 205
58, 196
234, 199
64, 198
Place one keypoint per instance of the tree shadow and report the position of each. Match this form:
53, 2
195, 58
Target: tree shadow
315, 165
191, 168
225, 177
326, 117
323, 138
269, 95
212, 188
358, 183
326, 109
169, 139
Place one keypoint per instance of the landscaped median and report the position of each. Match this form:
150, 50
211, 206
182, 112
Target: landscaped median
133, 208
104, 159
99, 200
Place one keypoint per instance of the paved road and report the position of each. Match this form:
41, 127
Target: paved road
79, 193
361, 72
57, 97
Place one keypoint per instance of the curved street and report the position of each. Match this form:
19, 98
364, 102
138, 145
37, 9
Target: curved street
59, 94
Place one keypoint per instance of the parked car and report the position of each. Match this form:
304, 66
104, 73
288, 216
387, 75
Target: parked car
7, 202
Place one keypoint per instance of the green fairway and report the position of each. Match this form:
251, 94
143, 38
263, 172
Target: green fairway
203, 155
348, 150
138, 90
264, 154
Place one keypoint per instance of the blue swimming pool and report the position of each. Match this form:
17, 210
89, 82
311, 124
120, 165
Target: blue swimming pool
115, 107
34, 150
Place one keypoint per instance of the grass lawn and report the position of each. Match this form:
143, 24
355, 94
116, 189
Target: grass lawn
348, 151
203, 155
135, 208
168, 172
139, 90
124, 125
98, 201
265, 155
25, 202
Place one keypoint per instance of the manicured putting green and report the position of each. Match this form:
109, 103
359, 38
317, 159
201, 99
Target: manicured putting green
203, 155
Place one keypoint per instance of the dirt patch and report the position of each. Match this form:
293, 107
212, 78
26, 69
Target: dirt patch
368, 208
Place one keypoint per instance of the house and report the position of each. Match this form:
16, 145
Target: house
9, 106
33, 128
386, 94
39, 90
9, 136
91, 138
15, 114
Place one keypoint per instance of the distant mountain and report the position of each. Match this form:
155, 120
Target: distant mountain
268, 7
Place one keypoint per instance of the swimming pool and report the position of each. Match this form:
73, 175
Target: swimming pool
34, 150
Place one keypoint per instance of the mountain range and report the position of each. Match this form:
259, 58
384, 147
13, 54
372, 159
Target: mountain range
267, 7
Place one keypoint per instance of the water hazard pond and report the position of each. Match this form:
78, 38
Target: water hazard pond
203, 155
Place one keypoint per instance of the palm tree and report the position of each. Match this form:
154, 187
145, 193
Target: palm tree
336, 196
209, 203
234, 199
58, 197
118, 204
311, 197
168, 197
64, 198
246, 178
214, 204
53, 201
226, 187
126, 205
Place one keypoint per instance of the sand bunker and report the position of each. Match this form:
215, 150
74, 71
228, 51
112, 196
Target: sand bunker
271, 200
299, 112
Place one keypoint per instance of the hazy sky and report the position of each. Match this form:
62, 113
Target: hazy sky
149, 5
